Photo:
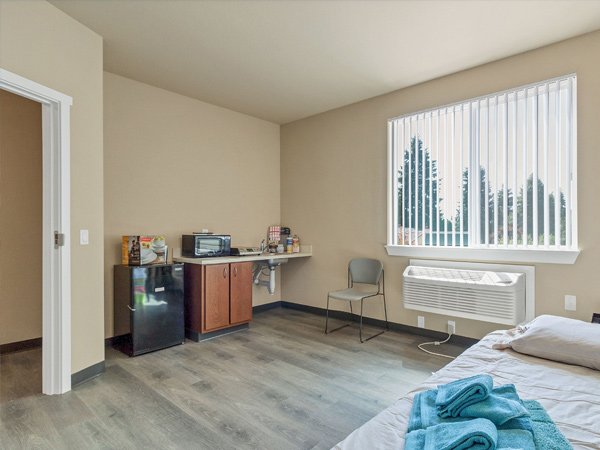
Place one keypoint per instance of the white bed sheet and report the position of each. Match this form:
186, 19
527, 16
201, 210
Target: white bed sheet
570, 394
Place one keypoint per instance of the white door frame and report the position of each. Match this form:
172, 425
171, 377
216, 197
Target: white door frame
56, 297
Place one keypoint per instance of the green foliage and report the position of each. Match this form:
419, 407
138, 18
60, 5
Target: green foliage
426, 171
417, 173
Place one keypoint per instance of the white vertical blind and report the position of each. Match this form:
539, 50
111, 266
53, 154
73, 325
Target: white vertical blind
515, 213
506, 179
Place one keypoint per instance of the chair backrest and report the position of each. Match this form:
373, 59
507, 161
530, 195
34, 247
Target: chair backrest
365, 270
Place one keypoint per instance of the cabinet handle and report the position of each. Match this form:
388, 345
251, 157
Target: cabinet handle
130, 308
235, 271
224, 273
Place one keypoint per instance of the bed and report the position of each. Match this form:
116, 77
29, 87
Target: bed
570, 394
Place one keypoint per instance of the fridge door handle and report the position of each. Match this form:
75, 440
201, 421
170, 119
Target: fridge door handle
130, 308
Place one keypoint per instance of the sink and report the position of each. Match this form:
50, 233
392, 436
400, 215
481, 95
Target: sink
272, 262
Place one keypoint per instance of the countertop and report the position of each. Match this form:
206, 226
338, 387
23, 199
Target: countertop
305, 251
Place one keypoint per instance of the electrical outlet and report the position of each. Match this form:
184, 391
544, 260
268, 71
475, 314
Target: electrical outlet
451, 327
421, 321
570, 302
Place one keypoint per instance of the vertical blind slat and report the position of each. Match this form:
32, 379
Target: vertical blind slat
445, 179
497, 124
423, 215
557, 146
505, 177
476, 170
430, 181
409, 182
437, 152
461, 196
534, 149
416, 181
404, 218
569, 175
453, 187
525, 175
486, 174
546, 180
515, 169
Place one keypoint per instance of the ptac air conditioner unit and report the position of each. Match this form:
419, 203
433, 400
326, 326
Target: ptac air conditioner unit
497, 297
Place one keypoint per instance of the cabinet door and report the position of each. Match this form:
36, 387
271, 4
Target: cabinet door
216, 296
241, 292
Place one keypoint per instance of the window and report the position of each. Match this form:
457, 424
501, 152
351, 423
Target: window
492, 173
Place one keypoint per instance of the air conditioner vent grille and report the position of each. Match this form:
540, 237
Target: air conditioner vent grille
497, 297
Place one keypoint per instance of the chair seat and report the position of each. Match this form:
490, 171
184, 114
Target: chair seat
350, 294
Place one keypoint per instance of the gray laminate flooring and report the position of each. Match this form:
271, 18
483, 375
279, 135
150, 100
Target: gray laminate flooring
282, 384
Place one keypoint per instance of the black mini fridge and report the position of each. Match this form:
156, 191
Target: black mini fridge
148, 302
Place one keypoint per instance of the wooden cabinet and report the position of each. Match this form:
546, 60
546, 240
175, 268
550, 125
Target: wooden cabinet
217, 296
240, 293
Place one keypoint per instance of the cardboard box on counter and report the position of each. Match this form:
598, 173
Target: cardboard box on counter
142, 250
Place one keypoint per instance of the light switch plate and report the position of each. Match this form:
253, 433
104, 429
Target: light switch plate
421, 321
570, 302
84, 237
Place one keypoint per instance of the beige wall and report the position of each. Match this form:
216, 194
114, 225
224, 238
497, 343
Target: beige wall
20, 221
41, 43
333, 191
175, 165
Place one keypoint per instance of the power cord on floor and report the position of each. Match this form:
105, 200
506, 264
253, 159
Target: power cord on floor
436, 343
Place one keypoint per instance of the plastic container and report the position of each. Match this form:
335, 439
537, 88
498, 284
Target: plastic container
295, 244
290, 245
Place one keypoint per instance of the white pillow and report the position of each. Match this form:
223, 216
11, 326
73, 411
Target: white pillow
557, 338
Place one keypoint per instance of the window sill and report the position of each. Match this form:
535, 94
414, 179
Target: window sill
545, 256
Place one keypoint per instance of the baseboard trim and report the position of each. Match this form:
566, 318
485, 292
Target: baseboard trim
199, 337
115, 341
87, 374
13, 347
265, 307
343, 315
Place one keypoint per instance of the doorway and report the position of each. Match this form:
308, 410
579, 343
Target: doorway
55, 229
20, 246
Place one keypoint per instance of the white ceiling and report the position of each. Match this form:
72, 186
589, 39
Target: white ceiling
285, 60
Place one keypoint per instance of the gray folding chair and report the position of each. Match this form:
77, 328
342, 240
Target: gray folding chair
363, 271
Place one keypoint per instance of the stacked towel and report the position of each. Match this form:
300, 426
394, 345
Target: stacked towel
502, 407
476, 434
453, 397
471, 414
546, 436
515, 440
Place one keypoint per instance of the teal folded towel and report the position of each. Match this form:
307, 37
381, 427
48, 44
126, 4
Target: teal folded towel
515, 440
475, 434
502, 407
546, 434
453, 397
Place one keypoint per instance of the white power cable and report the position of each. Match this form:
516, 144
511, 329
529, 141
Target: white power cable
437, 343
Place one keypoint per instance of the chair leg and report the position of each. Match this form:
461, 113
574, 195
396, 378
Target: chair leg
327, 330
327, 314
387, 325
361, 316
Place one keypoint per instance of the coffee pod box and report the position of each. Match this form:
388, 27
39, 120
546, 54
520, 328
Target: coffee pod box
143, 250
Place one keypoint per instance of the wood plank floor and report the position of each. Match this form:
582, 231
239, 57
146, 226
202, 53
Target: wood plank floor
282, 384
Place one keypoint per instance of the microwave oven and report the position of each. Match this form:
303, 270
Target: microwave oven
205, 245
